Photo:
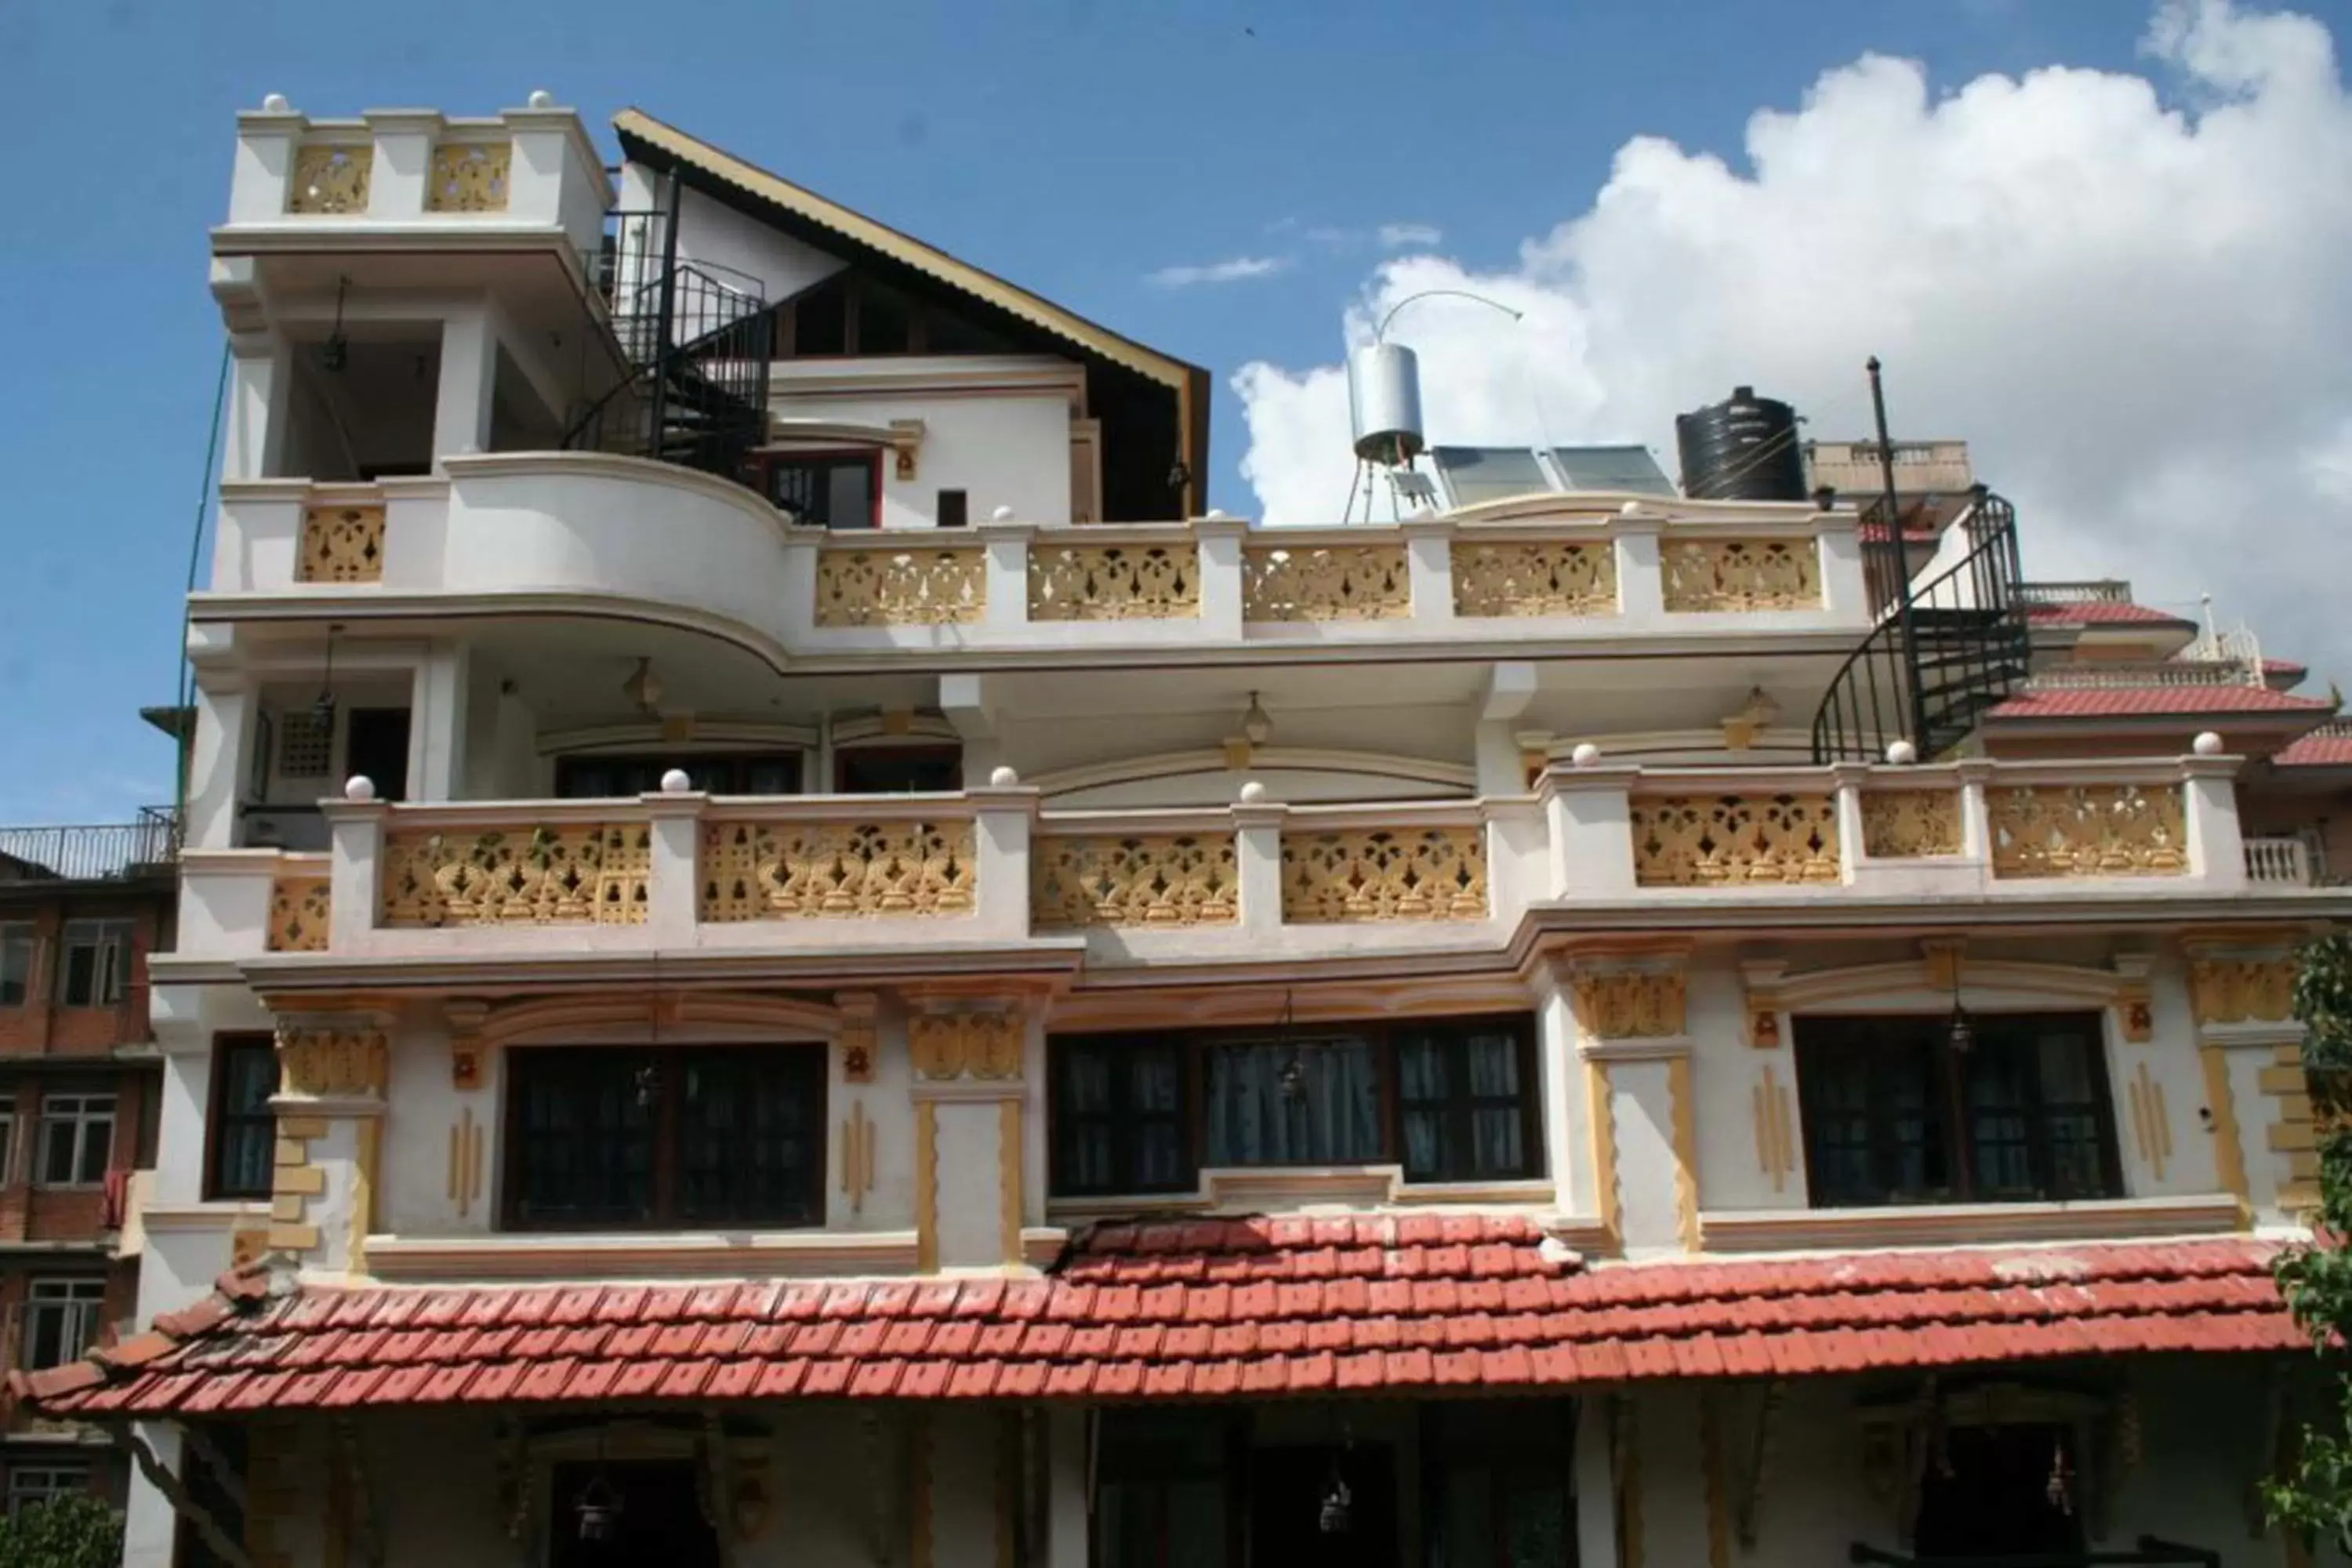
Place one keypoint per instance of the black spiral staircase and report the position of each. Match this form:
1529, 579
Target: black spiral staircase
698, 344
1943, 651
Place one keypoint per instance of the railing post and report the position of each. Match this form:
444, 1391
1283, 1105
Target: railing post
1257, 851
1004, 820
1975, 812
1589, 810
1849, 778
674, 877
2216, 846
1008, 544
355, 833
403, 170
1219, 542
1639, 541
1429, 568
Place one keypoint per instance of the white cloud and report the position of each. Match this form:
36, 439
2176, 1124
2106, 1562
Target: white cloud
1229, 271
2135, 313
1408, 235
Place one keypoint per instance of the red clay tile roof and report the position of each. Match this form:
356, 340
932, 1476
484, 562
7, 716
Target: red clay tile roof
2152, 702
2102, 613
1202, 1308
2329, 746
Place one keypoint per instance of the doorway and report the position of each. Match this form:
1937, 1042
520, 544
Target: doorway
653, 1517
1293, 1520
2000, 1491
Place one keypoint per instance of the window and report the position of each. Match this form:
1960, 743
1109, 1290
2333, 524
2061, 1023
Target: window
243, 1129
898, 770
29, 1485
376, 744
1894, 1115
955, 509
94, 962
1452, 1101
1165, 1487
61, 1318
8, 1143
76, 1138
306, 748
698, 1136
828, 492
17, 947
1496, 1474
617, 777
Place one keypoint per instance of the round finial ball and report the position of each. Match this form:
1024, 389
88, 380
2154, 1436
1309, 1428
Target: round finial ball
1004, 778
1902, 754
1252, 793
1631, 508
1214, 514
274, 103
541, 99
2206, 744
1586, 755
359, 788
1001, 514
676, 782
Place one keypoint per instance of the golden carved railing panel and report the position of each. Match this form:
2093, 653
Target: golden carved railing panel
1910, 824
1741, 574
1559, 578
806, 870
582, 873
469, 177
330, 180
2087, 830
1326, 582
1349, 876
1114, 582
341, 544
300, 908
1703, 841
1146, 879
927, 587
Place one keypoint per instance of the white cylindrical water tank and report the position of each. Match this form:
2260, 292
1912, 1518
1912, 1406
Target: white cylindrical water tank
1384, 404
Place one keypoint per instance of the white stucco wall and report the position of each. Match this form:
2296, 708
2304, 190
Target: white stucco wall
1011, 449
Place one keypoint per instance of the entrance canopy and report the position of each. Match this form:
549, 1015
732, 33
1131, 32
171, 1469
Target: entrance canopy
1369, 1304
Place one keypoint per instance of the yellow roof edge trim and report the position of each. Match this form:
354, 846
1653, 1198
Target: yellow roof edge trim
906, 249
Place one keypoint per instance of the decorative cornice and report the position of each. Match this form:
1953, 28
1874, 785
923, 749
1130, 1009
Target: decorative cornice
1966, 1224
785, 1255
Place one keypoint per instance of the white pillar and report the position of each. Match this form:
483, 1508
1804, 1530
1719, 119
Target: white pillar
469, 360
1641, 579
265, 142
403, 161
436, 724
1844, 590
673, 881
1429, 566
1002, 823
151, 1530
1596, 1482
1257, 853
1008, 545
1849, 778
1589, 814
218, 759
1219, 542
253, 441
1067, 1467
2217, 847
355, 841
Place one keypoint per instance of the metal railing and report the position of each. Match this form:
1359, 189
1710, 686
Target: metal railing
2119, 676
91, 853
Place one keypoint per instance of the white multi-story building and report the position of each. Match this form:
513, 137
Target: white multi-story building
882, 990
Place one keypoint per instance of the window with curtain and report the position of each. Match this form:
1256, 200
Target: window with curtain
244, 1128
1895, 1115
1449, 1100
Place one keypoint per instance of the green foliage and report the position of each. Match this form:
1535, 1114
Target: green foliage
2315, 1496
76, 1530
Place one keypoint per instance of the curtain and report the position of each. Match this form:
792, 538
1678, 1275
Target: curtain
1306, 1102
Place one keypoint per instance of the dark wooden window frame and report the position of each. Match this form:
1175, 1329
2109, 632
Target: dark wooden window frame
766, 462
1948, 1104
844, 756
736, 763
668, 1157
1193, 1046
221, 1116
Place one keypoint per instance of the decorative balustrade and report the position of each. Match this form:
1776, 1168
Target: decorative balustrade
925, 585
2283, 860
1731, 574
301, 906
2087, 591
1352, 876
343, 543
1700, 841
2087, 830
567, 874
2117, 675
1557, 577
1326, 582
469, 177
1114, 582
1911, 824
763, 870
330, 180
1155, 880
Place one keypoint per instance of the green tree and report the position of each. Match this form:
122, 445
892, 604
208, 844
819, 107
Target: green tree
75, 1531
2315, 1496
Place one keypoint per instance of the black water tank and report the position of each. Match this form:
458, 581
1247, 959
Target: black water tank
1743, 448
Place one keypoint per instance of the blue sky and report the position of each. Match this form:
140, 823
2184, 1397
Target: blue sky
1080, 147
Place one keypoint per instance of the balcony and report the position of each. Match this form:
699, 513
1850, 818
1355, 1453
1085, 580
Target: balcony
1853, 468
98, 853
556, 527
918, 880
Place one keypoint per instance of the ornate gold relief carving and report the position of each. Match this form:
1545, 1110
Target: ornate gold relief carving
1776, 1139
1009, 1151
857, 1033
1113, 582
469, 177
1147, 880
466, 1162
1519, 581
1349, 876
1707, 841
1910, 824
2242, 990
1945, 958
1634, 1004
1740, 574
930, 586
981, 1045
2151, 1126
1684, 1110
2134, 1012
2087, 830
927, 1187
782, 870
856, 1157
330, 1064
341, 544
300, 909
1330, 583
330, 181
587, 874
